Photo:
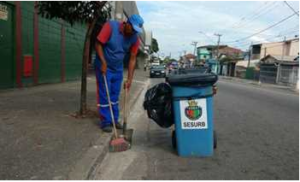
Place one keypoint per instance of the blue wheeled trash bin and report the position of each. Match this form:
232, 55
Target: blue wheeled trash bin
193, 112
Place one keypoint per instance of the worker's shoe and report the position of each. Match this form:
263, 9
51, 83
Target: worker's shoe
107, 129
119, 126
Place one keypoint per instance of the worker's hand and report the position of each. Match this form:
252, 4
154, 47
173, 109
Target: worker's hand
103, 68
127, 84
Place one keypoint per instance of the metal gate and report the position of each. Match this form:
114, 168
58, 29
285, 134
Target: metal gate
288, 74
268, 73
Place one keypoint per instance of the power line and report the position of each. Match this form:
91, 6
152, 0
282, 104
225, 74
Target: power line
269, 38
263, 42
256, 16
266, 28
287, 33
291, 8
260, 42
291, 29
251, 19
263, 34
245, 17
207, 37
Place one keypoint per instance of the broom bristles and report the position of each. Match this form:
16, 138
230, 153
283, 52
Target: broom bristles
119, 145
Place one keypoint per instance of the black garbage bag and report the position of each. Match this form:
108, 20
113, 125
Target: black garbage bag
158, 103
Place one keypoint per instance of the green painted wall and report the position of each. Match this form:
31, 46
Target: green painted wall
49, 50
203, 54
49, 47
27, 9
74, 50
7, 68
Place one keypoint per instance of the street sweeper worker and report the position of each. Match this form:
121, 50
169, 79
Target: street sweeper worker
114, 41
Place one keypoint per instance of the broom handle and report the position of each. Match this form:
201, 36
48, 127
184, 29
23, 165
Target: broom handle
125, 111
110, 107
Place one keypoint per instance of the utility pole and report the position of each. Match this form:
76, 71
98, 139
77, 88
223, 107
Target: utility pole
279, 64
195, 51
249, 55
195, 47
219, 37
283, 48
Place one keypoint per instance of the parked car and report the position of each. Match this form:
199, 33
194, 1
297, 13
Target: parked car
157, 71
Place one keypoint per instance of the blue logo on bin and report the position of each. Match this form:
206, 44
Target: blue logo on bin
193, 111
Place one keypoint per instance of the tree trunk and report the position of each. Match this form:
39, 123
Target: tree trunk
85, 60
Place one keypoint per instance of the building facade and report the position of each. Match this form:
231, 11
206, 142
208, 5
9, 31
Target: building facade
282, 48
279, 70
121, 10
278, 61
203, 53
35, 50
224, 62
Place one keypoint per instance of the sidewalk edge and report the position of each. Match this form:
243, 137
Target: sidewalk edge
95, 155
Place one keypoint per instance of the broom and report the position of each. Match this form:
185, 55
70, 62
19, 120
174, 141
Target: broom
127, 133
117, 144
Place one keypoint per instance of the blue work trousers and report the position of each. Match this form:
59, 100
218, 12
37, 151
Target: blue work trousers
114, 82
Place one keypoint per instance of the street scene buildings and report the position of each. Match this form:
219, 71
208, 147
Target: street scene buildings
214, 94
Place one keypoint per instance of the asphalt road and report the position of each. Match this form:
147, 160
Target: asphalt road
258, 138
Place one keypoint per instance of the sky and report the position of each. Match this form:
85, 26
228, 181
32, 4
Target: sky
176, 24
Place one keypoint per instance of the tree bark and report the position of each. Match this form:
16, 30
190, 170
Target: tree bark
85, 60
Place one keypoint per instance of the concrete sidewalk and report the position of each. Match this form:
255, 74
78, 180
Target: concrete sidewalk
40, 138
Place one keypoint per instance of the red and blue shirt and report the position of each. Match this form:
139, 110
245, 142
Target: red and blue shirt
116, 45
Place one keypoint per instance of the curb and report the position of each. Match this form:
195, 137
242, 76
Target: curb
93, 156
84, 169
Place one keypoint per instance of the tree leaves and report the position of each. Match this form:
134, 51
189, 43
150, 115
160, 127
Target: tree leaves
154, 46
74, 11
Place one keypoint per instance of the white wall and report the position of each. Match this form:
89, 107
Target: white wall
148, 38
294, 48
279, 48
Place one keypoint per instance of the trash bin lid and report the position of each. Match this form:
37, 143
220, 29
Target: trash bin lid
199, 70
192, 79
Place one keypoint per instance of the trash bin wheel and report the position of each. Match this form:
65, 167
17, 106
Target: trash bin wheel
174, 145
215, 139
